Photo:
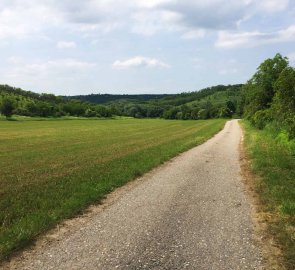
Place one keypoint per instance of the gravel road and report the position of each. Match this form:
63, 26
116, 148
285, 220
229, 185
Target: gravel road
190, 213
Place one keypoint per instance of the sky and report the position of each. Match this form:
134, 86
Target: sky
75, 47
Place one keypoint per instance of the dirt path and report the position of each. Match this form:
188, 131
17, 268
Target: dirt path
190, 213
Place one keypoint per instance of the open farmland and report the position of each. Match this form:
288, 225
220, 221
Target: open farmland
50, 170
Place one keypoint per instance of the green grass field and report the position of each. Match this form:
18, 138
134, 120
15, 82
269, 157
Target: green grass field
51, 170
273, 163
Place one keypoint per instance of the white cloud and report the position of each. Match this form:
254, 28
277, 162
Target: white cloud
272, 5
252, 39
53, 67
27, 17
21, 19
231, 40
66, 45
153, 3
150, 22
53, 75
138, 62
14, 60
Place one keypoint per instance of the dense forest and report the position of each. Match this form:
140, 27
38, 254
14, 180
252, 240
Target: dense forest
27, 103
106, 98
212, 102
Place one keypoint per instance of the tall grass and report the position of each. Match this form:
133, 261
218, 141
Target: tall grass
273, 161
51, 170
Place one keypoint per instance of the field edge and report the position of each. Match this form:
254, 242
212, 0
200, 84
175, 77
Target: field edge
30, 242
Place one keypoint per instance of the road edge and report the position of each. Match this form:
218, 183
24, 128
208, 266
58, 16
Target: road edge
272, 254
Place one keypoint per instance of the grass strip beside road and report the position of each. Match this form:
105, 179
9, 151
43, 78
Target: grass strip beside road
51, 170
273, 165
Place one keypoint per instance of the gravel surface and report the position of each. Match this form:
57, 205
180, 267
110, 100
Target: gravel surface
190, 213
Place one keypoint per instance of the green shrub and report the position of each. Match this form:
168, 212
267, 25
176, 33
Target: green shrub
90, 113
290, 126
261, 119
284, 138
203, 114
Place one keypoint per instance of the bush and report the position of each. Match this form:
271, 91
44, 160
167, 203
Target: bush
90, 113
179, 115
290, 126
22, 111
261, 119
225, 113
171, 113
284, 138
203, 114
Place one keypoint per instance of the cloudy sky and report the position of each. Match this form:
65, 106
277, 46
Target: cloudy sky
139, 46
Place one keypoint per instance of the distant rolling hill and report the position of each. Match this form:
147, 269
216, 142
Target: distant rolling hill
215, 94
211, 102
107, 98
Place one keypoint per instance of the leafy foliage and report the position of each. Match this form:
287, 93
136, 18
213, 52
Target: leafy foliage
212, 102
284, 100
7, 106
20, 102
107, 98
269, 96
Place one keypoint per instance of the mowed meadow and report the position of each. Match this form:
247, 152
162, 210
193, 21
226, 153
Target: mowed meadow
52, 169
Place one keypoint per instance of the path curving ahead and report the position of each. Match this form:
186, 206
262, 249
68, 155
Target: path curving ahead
190, 213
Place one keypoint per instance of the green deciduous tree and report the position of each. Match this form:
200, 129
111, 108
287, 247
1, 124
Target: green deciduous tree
269, 96
259, 91
7, 106
258, 94
284, 101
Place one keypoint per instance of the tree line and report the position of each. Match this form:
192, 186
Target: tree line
203, 104
211, 102
268, 98
26, 103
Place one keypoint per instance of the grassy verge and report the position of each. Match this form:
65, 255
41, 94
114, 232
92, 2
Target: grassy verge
273, 164
51, 170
